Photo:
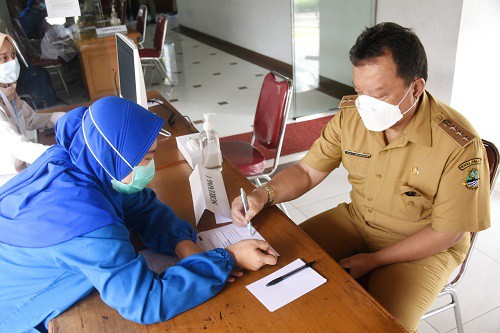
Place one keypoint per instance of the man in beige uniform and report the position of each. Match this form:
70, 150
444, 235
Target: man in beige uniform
419, 176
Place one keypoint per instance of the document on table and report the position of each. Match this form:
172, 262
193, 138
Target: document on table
288, 290
208, 240
158, 262
224, 236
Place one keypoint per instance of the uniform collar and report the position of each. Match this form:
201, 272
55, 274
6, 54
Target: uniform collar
418, 129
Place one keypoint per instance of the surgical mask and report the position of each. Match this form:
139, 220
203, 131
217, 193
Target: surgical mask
378, 115
141, 176
9, 71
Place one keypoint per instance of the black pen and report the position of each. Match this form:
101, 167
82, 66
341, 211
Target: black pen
287, 275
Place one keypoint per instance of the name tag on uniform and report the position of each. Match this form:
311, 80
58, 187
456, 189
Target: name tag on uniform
358, 154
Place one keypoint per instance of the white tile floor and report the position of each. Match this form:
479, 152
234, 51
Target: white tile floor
479, 297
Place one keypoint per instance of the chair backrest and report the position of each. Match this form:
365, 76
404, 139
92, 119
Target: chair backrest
272, 110
123, 14
493, 161
142, 16
160, 32
493, 157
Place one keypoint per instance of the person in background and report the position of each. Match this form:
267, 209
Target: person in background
32, 19
16, 116
151, 9
65, 224
419, 175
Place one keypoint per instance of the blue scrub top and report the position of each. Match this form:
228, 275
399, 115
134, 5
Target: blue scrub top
64, 230
37, 284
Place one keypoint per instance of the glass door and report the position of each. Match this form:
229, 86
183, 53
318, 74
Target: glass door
323, 31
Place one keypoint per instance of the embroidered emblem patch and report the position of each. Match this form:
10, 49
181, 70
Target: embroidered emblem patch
469, 163
472, 179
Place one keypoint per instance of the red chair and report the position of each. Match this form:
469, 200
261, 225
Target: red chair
152, 57
449, 288
268, 129
142, 16
123, 13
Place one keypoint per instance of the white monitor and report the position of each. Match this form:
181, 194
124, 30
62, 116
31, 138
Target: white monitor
130, 74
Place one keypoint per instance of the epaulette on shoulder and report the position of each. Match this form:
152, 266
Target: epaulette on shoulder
348, 101
460, 134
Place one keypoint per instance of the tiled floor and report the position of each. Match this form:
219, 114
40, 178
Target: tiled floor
197, 89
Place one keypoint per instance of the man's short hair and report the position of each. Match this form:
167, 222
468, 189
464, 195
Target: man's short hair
402, 43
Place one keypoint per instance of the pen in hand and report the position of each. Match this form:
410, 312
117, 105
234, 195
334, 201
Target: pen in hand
287, 275
244, 200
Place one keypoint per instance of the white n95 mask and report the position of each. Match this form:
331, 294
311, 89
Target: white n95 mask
378, 115
9, 71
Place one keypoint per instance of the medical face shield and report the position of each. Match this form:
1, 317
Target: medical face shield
142, 174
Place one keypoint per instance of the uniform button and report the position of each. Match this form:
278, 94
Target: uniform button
369, 198
370, 210
439, 118
379, 175
410, 203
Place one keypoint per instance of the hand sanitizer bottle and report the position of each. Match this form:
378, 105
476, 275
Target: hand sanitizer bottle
114, 17
211, 156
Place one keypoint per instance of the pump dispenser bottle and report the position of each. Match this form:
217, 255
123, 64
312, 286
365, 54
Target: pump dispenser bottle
211, 155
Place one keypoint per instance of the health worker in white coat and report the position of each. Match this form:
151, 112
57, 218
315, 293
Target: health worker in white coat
16, 117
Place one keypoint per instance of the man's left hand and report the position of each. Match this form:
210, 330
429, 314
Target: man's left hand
359, 264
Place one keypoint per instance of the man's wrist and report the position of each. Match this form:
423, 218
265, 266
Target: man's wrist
377, 258
262, 195
271, 194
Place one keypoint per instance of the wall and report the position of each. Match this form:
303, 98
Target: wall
437, 23
262, 26
477, 72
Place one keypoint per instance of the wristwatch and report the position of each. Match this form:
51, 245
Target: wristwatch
270, 194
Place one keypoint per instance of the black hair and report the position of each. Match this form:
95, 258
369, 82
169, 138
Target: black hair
402, 43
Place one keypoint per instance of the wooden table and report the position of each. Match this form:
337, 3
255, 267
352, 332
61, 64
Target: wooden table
99, 62
339, 305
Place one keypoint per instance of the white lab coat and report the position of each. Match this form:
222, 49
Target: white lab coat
16, 151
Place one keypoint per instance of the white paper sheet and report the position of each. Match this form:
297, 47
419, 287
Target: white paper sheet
288, 290
208, 192
207, 240
62, 8
224, 236
158, 262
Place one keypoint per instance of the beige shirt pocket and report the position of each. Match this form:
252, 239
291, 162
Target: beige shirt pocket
409, 203
357, 168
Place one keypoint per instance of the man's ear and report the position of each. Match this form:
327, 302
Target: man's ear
418, 87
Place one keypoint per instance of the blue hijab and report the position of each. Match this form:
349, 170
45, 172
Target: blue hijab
66, 193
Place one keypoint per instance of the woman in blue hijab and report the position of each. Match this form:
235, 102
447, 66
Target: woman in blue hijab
65, 224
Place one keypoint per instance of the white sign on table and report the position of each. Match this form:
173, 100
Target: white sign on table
208, 192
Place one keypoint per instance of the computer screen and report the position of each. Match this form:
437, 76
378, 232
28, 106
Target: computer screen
131, 78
